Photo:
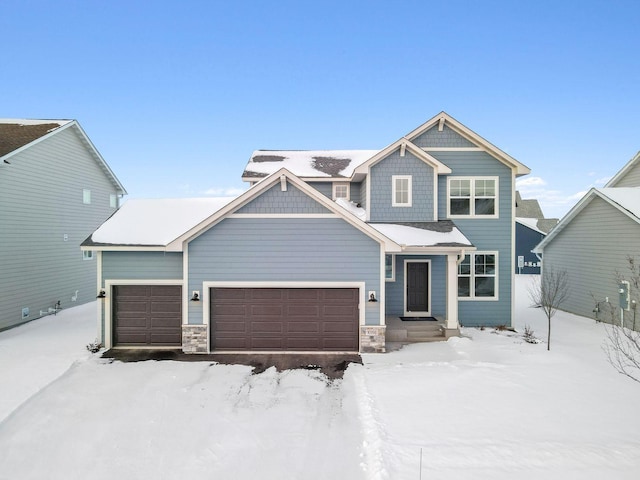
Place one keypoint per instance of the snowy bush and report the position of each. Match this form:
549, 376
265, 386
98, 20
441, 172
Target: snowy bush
94, 347
528, 335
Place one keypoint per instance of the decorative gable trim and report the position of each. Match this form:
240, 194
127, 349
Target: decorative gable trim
261, 187
473, 137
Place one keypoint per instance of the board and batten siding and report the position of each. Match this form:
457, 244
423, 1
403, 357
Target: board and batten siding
284, 250
381, 189
486, 234
591, 248
43, 221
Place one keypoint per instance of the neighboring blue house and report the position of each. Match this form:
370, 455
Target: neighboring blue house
325, 252
531, 228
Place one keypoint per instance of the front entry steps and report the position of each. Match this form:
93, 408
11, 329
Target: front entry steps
416, 331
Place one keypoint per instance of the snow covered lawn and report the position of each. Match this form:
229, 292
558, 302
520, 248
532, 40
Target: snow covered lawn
487, 405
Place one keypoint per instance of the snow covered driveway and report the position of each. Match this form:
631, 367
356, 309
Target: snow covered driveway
487, 405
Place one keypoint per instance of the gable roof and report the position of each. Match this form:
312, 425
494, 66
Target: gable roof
306, 163
465, 132
625, 199
623, 171
17, 135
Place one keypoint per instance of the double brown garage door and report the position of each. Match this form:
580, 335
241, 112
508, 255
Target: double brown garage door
147, 315
322, 319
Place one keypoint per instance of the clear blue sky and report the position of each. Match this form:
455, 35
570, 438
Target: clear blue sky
177, 94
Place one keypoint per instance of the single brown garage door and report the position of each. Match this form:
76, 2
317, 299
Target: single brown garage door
323, 319
147, 315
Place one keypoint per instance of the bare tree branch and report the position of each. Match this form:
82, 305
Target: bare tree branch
549, 294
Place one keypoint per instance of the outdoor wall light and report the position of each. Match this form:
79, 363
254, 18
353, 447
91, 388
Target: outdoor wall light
372, 296
196, 296
102, 294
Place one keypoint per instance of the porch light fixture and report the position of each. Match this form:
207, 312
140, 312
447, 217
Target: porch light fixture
102, 294
372, 297
195, 297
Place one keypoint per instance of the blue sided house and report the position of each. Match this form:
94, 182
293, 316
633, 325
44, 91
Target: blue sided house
332, 251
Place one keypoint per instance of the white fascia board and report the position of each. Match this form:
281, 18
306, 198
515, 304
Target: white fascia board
623, 171
123, 248
473, 137
438, 250
38, 140
440, 167
268, 182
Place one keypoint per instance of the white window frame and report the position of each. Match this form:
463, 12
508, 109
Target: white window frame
392, 278
337, 185
87, 255
472, 276
86, 196
394, 190
473, 197
113, 200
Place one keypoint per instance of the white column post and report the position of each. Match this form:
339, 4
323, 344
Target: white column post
452, 291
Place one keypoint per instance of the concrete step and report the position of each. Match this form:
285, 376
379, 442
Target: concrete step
424, 333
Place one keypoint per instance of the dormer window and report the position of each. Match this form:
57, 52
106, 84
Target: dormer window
341, 190
401, 194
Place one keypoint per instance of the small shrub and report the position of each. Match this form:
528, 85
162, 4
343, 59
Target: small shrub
94, 347
528, 335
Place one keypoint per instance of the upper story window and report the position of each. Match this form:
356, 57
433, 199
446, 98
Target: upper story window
86, 196
341, 190
401, 190
113, 200
478, 276
472, 197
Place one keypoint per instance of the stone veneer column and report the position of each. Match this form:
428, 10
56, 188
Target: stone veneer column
372, 338
194, 338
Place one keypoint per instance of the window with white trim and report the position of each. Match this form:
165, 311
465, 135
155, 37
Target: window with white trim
472, 197
341, 190
87, 254
113, 200
401, 190
478, 276
389, 268
86, 196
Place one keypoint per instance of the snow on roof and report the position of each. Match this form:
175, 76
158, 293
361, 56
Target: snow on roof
421, 237
627, 197
31, 121
156, 221
532, 223
307, 163
352, 208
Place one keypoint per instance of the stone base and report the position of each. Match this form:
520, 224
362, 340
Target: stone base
194, 338
372, 339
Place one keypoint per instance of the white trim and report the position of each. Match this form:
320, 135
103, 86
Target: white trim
393, 267
412, 313
99, 302
124, 248
185, 291
87, 254
341, 184
513, 247
623, 171
108, 288
368, 202
435, 196
472, 297
437, 165
283, 215
394, 190
382, 295
472, 186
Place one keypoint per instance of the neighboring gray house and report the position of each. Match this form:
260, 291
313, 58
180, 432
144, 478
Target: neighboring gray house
592, 242
55, 189
326, 251
531, 228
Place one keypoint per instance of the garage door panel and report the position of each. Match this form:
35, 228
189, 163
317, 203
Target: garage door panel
309, 319
147, 315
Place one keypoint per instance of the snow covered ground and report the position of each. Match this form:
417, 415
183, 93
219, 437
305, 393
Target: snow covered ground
487, 405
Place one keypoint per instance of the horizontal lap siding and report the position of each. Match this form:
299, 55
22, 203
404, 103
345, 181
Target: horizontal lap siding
41, 201
484, 234
631, 178
285, 250
141, 265
395, 292
275, 200
591, 248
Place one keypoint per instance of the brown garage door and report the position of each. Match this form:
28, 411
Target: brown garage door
147, 315
323, 319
